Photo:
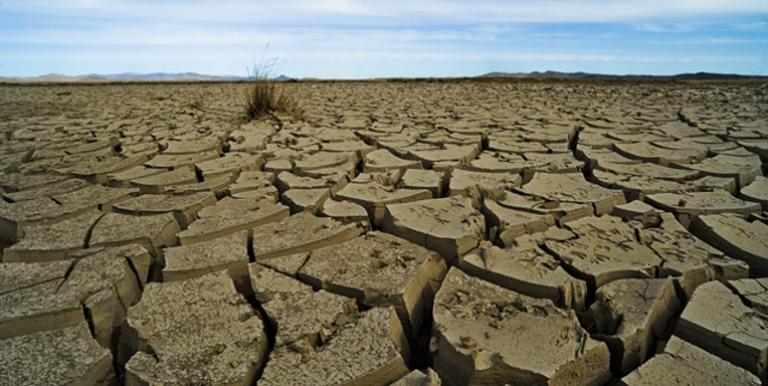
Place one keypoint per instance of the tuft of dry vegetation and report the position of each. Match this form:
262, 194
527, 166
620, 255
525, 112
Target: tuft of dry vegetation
266, 97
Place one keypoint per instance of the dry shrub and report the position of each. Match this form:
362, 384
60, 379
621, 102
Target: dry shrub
266, 97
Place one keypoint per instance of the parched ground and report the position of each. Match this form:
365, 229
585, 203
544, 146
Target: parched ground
407, 233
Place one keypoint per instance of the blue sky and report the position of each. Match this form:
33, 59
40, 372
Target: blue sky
363, 39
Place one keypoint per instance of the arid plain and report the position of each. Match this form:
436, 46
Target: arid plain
396, 232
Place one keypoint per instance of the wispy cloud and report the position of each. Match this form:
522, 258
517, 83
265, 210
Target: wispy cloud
754, 26
657, 27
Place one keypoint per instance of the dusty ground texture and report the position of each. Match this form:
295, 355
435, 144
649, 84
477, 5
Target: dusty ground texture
406, 233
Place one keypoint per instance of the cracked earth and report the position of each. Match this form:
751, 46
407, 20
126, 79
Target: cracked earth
399, 233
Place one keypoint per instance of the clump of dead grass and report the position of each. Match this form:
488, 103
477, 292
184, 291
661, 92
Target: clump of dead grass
265, 96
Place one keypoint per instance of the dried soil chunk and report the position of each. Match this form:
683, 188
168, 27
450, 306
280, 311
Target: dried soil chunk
46, 191
66, 356
124, 178
498, 163
562, 211
630, 315
184, 206
753, 291
302, 232
554, 163
47, 296
595, 156
513, 223
453, 154
684, 255
286, 181
197, 331
14, 217
324, 160
52, 241
174, 161
450, 226
603, 249
480, 328
232, 215
344, 211
493, 183
649, 170
527, 269
94, 196
15, 182
28, 300
152, 232
374, 197
511, 145
156, 183
742, 169
664, 156
379, 270
224, 253
217, 185
302, 316
757, 191
382, 160
309, 200
195, 145
683, 364
365, 351
760, 147
230, 162
636, 209
252, 136
431, 180
735, 332
688, 205
637, 187
739, 238
572, 188
250, 181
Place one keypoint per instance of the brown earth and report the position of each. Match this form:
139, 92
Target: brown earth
401, 232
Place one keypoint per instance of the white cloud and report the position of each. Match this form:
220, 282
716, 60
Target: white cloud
673, 27
758, 25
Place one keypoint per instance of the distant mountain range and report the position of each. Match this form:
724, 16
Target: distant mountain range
193, 76
587, 75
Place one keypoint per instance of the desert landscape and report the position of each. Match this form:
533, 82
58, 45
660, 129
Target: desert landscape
390, 232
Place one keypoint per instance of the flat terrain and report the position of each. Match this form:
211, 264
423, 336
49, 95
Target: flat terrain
407, 233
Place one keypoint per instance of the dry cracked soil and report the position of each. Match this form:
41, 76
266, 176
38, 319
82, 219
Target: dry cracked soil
398, 233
